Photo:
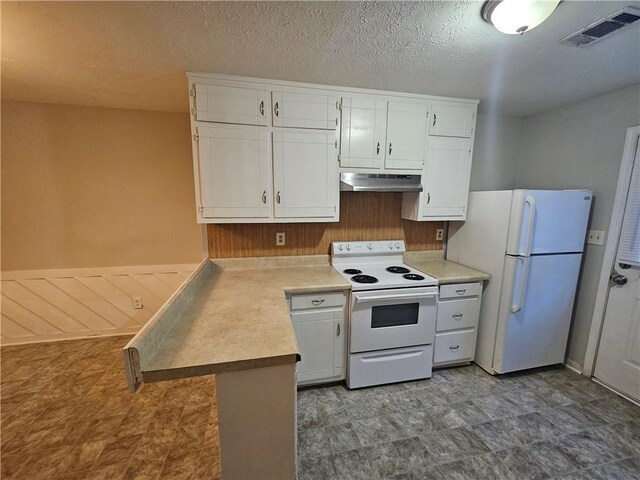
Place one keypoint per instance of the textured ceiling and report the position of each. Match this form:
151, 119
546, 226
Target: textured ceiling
134, 54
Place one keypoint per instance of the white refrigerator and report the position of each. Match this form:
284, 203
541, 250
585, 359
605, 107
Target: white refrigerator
531, 243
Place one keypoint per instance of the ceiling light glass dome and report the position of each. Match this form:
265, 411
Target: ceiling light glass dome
517, 16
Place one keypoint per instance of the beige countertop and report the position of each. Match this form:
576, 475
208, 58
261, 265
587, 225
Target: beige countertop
434, 264
238, 318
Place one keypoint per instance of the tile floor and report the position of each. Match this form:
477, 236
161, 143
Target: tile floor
66, 414
466, 424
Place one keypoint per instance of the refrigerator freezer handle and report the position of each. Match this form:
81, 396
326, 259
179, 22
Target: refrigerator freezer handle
523, 285
532, 215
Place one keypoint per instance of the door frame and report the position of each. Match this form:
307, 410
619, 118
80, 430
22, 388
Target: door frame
611, 249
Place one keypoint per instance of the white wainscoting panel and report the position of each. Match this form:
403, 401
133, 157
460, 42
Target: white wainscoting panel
45, 305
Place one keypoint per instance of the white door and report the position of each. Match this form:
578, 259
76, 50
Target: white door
215, 103
618, 361
406, 145
304, 110
555, 221
535, 311
452, 121
363, 132
305, 174
234, 171
446, 179
320, 336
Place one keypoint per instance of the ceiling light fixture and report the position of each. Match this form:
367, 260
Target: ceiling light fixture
517, 16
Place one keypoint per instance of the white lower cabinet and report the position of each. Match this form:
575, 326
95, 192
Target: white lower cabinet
457, 323
318, 321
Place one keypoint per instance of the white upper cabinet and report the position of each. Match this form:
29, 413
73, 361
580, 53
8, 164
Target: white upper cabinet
406, 144
363, 132
305, 174
248, 106
452, 120
304, 110
381, 134
234, 171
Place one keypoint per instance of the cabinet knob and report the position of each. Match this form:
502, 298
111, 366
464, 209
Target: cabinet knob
428, 198
319, 301
276, 109
278, 197
264, 196
461, 292
454, 348
390, 148
378, 149
338, 331
261, 108
457, 316
435, 117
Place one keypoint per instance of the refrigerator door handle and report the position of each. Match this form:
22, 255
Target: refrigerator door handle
523, 285
532, 215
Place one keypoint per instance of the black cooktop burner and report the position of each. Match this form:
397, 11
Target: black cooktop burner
413, 276
396, 269
364, 279
352, 271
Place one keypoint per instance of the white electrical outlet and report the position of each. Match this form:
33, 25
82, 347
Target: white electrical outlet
595, 237
440, 234
137, 302
280, 239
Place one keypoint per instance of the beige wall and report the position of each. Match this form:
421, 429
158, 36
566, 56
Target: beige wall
580, 146
95, 187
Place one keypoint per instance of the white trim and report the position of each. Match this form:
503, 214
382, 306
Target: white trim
97, 271
622, 189
69, 336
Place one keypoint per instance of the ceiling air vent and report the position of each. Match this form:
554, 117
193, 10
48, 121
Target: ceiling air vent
603, 28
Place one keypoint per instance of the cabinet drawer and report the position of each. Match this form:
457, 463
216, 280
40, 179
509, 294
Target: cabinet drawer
317, 300
460, 290
456, 346
457, 314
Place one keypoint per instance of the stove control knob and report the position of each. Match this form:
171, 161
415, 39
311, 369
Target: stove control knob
398, 245
370, 247
340, 247
348, 247
390, 245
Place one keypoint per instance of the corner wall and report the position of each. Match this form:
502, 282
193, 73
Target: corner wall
580, 146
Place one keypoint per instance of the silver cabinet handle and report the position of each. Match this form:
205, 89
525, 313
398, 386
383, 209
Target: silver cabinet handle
264, 196
320, 301
428, 198
278, 197
434, 119
338, 331
261, 108
275, 109
454, 348
461, 292
457, 316
378, 149
390, 148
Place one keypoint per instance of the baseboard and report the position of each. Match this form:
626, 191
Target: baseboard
575, 366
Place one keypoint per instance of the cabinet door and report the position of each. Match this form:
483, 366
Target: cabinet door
446, 179
304, 110
305, 174
234, 171
320, 336
363, 132
216, 103
452, 121
406, 135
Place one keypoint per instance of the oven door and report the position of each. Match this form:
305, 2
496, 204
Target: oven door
384, 319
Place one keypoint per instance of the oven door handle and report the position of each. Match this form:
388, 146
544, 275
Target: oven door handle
376, 298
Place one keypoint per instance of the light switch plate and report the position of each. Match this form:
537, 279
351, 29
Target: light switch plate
595, 237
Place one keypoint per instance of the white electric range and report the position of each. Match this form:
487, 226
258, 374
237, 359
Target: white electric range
392, 315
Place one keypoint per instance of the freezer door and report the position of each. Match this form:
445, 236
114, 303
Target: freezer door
535, 312
548, 221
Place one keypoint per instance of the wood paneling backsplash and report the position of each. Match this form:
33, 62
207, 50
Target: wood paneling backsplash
363, 216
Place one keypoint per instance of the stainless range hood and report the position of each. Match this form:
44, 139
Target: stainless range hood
376, 182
